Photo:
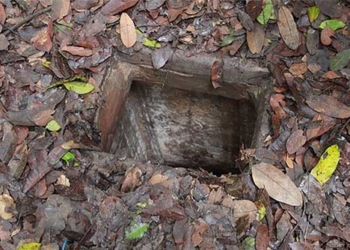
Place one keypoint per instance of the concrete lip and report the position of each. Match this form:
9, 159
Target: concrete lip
174, 116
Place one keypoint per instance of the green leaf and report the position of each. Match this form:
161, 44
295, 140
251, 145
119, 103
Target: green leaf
79, 87
151, 43
313, 13
267, 13
227, 40
46, 64
53, 126
248, 243
69, 157
327, 164
136, 231
333, 24
340, 60
142, 204
30, 246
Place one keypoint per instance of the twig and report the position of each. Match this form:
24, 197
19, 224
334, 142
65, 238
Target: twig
25, 20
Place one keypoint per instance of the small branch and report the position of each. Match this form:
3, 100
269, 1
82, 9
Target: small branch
26, 20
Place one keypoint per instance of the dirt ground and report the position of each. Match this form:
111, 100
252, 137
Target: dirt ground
59, 190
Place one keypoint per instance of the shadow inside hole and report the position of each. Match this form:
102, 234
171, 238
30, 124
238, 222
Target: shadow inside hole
182, 128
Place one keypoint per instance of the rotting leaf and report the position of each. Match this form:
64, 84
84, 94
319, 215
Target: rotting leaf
295, 141
161, 56
329, 7
327, 164
79, 87
278, 185
254, 8
127, 30
42, 40
313, 13
245, 19
217, 70
333, 24
262, 237
256, 39
60, 8
53, 126
341, 60
136, 231
329, 105
267, 13
288, 28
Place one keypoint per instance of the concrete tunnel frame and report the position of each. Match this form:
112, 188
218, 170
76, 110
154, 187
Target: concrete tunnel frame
243, 80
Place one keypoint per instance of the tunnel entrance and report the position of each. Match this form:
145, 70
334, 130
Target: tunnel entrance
174, 116
183, 128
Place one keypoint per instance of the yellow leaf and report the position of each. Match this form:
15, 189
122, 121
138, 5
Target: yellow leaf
313, 13
127, 31
327, 164
79, 87
261, 210
53, 126
30, 246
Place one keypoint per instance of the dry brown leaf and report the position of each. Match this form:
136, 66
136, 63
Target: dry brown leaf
127, 31
288, 28
2, 14
262, 237
288, 161
200, 226
42, 40
298, 69
6, 205
241, 208
133, 179
63, 180
116, 6
77, 51
322, 123
60, 8
326, 35
256, 39
277, 184
329, 75
330, 106
157, 178
43, 117
295, 141
215, 196
217, 70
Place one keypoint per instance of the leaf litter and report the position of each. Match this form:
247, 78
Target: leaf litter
53, 188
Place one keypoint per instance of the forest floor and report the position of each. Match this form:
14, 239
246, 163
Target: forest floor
59, 191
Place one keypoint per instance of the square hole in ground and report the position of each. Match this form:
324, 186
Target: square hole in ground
183, 128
